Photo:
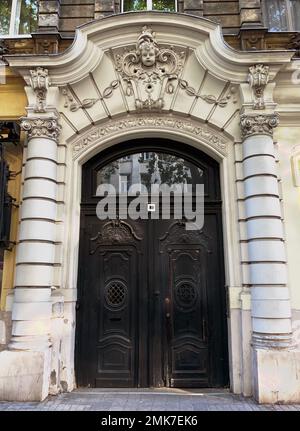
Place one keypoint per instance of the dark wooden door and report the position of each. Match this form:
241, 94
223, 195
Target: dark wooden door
151, 306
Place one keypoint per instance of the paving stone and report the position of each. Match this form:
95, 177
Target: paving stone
144, 400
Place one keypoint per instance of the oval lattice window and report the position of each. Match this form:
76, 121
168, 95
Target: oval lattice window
116, 293
185, 294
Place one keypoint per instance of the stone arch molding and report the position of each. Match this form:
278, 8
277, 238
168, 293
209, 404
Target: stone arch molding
130, 126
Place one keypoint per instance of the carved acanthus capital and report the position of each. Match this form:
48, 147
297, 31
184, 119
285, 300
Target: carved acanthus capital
39, 81
258, 78
41, 128
262, 124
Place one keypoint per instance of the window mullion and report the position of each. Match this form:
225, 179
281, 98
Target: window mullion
289, 18
149, 4
13, 15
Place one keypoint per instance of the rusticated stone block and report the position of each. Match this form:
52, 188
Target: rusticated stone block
194, 12
50, 6
193, 4
250, 15
104, 6
50, 20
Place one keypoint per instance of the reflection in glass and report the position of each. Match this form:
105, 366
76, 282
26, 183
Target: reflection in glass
165, 5
5, 12
275, 14
129, 5
149, 168
27, 16
295, 6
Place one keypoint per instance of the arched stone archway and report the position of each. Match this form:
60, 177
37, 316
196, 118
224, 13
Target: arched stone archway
100, 92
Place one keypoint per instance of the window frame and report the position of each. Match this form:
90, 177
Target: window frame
289, 17
12, 32
149, 7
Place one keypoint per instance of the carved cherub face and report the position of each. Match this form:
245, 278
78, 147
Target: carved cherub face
148, 54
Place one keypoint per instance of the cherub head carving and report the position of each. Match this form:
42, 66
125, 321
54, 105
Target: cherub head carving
147, 48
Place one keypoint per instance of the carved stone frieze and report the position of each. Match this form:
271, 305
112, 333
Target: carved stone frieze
262, 124
258, 78
212, 138
41, 128
149, 71
40, 82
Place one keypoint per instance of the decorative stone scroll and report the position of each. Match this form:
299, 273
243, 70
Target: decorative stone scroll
258, 124
111, 128
41, 128
40, 82
258, 78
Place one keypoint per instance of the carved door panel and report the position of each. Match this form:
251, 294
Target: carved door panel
112, 279
190, 267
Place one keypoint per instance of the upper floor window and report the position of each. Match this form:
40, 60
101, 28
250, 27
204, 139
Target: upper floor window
282, 15
164, 5
18, 17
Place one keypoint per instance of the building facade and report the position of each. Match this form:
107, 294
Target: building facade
187, 92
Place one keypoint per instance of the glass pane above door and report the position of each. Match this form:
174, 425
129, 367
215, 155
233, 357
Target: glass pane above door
149, 168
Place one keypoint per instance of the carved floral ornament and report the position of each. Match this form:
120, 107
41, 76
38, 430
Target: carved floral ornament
41, 128
213, 139
262, 124
148, 73
39, 81
258, 78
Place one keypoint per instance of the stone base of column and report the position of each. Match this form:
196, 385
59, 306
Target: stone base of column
276, 376
24, 375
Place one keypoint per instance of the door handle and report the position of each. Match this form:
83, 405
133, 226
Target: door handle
167, 307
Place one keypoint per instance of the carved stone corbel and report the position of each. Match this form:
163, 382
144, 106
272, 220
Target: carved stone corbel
258, 78
40, 82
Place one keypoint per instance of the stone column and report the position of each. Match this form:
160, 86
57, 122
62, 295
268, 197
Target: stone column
274, 361
25, 366
31, 312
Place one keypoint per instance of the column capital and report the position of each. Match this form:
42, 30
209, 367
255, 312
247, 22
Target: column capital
258, 124
48, 128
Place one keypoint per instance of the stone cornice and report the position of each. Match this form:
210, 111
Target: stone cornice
41, 128
258, 124
201, 35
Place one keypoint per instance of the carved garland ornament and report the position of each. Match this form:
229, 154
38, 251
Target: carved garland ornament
41, 128
114, 127
258, 124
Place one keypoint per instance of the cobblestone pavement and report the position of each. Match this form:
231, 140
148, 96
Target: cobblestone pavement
146, 400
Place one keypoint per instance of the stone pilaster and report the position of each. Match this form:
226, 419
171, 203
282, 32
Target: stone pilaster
49, 15
250, 13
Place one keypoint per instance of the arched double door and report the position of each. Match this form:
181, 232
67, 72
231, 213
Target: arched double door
151, 300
